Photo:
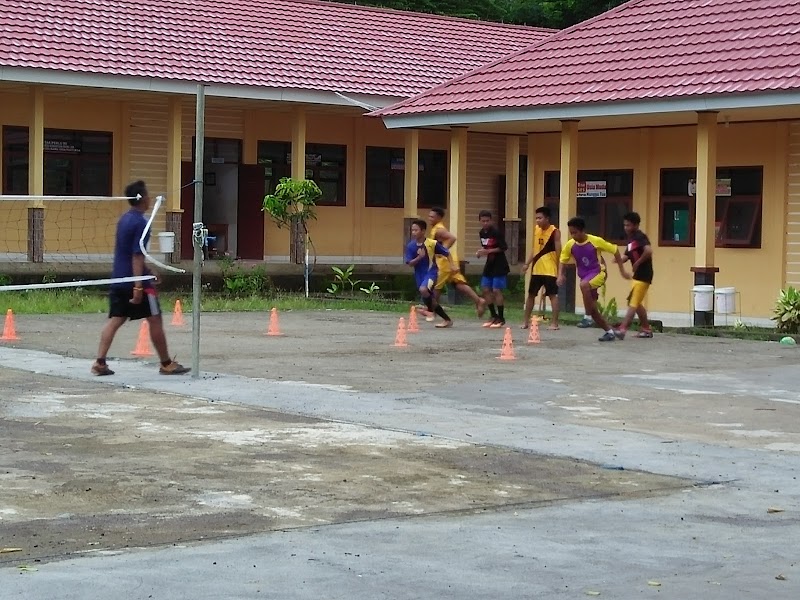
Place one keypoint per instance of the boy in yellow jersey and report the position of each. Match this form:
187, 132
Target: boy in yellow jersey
421, 254
544, 258
447, 274
585, 249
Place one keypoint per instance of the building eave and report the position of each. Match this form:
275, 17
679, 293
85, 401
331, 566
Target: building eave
593, 110
159, 85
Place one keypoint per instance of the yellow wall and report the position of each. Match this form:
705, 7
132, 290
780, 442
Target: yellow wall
73, 228
792, 272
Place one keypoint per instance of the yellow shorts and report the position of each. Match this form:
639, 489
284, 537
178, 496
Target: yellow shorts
638, 292
446, 277
598, 280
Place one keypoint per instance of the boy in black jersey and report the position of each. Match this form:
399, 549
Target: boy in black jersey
495, 272
640, 253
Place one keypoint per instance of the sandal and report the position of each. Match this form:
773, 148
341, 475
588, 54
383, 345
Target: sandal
645, 333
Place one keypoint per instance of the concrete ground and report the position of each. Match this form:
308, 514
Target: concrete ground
328, 463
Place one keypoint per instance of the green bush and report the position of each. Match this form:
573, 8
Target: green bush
241, 282
787, 311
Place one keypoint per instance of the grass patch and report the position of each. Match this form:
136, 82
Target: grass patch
757, 334
83, 301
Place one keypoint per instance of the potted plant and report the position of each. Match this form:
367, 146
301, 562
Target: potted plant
292, 205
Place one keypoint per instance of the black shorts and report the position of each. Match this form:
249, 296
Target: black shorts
119, 305
543, 281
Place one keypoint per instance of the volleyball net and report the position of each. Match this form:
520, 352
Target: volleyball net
56, 231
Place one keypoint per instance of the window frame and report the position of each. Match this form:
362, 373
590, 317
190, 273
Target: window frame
77, 160
728, 242
282, 167
691, 207
425, 178
756, 224
392, 202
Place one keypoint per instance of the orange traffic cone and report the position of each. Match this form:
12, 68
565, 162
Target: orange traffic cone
143, 342
274, 328
9, 331
413, 326
507, 353
400, 338
533, 331
177, 315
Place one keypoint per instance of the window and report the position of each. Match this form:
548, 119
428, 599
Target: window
603, 198
737, 209
326, 165
385, 185
76, 163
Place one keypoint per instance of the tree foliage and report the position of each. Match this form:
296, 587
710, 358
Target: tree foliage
541, 13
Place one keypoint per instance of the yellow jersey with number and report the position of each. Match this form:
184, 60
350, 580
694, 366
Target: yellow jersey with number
544, 246
441, 261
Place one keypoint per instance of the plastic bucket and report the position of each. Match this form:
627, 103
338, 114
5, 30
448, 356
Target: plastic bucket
703, 298
166, 242
725, 300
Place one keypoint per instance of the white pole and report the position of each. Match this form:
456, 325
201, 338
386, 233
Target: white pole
197, 235
305, 265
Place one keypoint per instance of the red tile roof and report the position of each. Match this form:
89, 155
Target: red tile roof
642, 50
295, 44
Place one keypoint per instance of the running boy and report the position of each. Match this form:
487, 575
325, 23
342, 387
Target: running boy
448, 273
586, 249
640, 253
544, 258
495, 271
421, 254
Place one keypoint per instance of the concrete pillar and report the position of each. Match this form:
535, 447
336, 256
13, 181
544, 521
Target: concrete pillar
512, 198
299, 144
36, 176
174, 142
411, 182
568, 203
356, 184
705, 209
297, 238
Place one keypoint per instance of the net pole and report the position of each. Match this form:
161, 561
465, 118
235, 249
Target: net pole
197, 237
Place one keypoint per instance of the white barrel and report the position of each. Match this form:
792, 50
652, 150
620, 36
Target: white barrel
703, 298
725, 300
166, 242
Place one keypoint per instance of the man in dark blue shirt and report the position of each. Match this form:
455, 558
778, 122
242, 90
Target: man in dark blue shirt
134, 300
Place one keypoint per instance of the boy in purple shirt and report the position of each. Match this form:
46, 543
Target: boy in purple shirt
586, 250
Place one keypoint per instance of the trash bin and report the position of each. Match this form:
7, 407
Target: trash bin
725, 300
703, 298
166, 242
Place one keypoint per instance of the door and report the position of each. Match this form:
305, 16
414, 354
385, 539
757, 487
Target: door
250, 217
187, 205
